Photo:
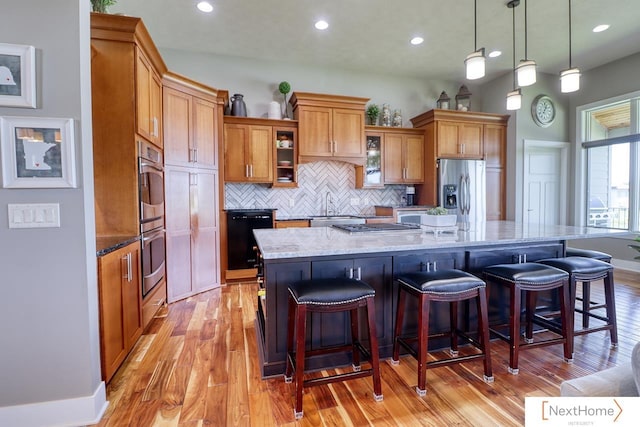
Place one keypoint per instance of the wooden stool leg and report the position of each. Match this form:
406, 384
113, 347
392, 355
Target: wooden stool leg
566, 313
395, 358
353, 314
290, 330
610, 300
532, 301
514, 326
483, 333
453, 316
301, 328
423, 343
586, 303
375, 359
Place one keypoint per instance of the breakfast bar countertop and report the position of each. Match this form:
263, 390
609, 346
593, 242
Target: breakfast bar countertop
324, 241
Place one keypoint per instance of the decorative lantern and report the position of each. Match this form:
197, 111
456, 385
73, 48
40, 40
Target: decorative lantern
463, 99
443, 102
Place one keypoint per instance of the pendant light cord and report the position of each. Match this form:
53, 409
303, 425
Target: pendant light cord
570, 34
475, 25
526, 56
513, 29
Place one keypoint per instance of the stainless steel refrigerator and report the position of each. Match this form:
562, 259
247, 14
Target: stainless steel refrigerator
462, 191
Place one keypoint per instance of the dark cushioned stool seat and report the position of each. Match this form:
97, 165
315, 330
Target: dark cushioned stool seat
330, 291
449, 286
587, 270
532, 277
587, 253
329, 296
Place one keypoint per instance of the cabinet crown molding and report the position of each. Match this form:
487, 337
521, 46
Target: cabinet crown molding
324, 100
458, 116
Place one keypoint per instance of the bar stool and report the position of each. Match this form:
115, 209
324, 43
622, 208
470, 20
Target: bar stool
587, 304
327, 296
443, 285
587, 270
532, 278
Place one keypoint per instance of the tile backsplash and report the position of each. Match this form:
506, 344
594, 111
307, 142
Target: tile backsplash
314, 181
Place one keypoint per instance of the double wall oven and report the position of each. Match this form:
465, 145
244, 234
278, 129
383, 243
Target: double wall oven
151, 194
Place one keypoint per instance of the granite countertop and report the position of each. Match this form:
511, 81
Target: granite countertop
324, 241
108, 244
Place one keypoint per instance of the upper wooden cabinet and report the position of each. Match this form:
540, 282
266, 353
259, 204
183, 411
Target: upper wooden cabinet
465, 134
148, 100
119, 44
458, 140
248, 150
330, 127
403, 157
190, 121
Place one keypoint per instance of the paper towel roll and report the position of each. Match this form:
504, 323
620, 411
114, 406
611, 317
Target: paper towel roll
274, 110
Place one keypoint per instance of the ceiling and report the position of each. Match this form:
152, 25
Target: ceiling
373, 35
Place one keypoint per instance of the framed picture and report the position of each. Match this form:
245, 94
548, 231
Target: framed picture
17, 76
37, 152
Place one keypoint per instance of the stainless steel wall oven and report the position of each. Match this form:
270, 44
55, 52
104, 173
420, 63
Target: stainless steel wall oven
151, 194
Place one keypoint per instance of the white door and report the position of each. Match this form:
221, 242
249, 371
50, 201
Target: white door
546, 169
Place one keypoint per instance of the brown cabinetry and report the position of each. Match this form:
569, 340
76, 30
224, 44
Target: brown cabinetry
148, 100
248, 151
292, 223
403, 157
330, 127
120, 314
285, 157
483, 136
122, 95
192, 227
191, 187
190, 121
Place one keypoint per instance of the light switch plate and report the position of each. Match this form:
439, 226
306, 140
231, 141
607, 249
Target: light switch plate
34, 215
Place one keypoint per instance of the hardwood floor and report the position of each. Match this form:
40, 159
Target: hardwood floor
197, 365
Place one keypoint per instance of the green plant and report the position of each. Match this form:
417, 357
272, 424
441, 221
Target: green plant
372, 113
284, 88
437, 211
636, 247
102, 5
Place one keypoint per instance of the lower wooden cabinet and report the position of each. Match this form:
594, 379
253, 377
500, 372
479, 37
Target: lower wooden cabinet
192, 226
120, 313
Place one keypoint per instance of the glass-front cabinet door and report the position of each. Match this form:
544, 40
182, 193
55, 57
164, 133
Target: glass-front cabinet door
370, 176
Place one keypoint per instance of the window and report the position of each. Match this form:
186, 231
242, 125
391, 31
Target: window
611, 135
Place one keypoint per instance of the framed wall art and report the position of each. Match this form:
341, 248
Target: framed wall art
17, 76
37, 152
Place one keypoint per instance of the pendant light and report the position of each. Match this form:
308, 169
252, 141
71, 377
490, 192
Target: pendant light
526, 70
475, 60
514, 98
569, 79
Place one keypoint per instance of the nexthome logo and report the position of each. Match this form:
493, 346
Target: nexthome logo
581, 411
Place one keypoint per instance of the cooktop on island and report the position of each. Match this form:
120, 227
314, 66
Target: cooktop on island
362, 228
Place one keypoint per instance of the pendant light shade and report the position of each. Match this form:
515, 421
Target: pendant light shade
570, 79
514, 100
475, 60
526, 73
526, 70
475, 65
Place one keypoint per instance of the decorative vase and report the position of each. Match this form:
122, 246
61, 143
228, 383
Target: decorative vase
397, 119
238, 107
386, 115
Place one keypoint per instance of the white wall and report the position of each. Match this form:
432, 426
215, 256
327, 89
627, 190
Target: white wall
49, 355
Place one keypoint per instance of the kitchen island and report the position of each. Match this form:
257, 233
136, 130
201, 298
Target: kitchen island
375, 257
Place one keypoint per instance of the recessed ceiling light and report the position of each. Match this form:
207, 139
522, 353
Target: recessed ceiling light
494, 54
600, 28
322, 25
205, 6
417, 40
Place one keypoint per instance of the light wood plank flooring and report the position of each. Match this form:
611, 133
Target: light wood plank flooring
197, 365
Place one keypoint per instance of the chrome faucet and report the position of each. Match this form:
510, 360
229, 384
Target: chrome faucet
329, 206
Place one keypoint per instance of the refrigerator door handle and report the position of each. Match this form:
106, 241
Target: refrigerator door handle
468, 193
462, 195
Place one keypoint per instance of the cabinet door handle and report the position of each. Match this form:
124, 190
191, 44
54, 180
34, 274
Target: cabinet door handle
359, 273
195, 155
246, 171
335, 146
251, 170
351, 273
155, 126
435, 265
525, 257
129, 274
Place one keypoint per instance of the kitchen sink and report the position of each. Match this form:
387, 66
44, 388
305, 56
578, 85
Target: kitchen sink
327, 221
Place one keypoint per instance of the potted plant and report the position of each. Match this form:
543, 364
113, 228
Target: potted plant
284, 88
101, 5
372, 114
438, 217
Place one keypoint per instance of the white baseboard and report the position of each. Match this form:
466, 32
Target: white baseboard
75, 412
626, 265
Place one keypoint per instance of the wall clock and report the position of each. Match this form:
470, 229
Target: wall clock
543, 111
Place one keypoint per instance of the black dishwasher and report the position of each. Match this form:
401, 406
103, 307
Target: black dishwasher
240, 240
